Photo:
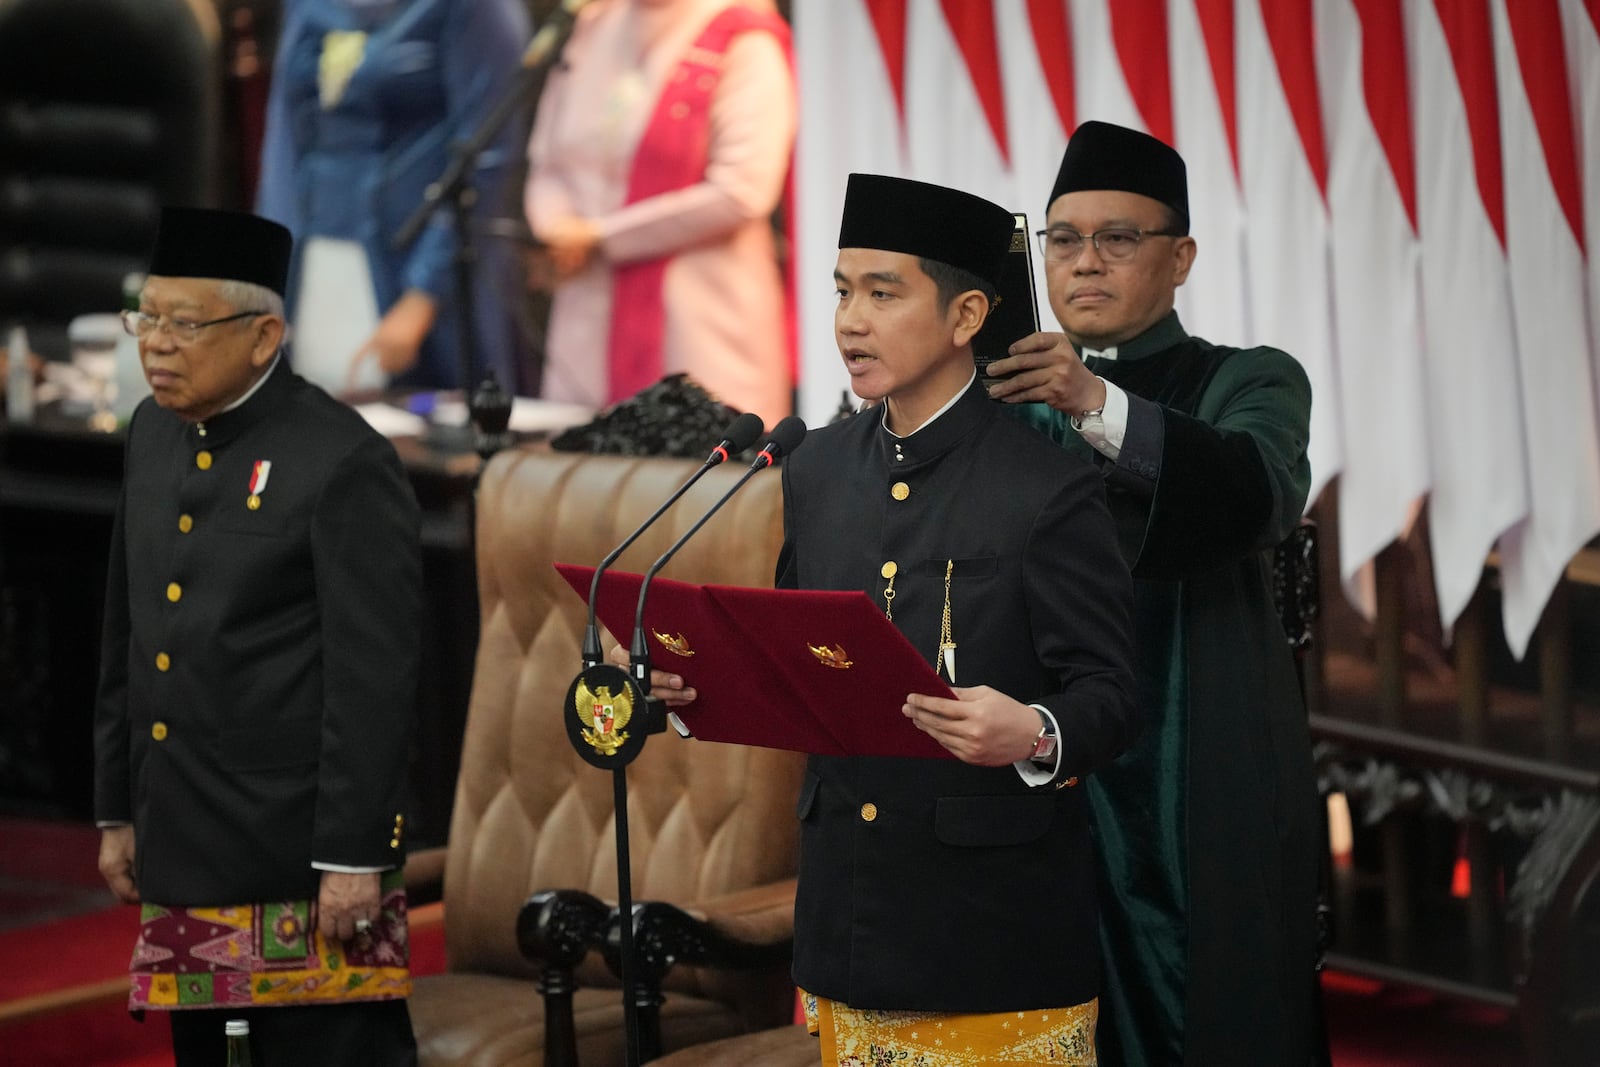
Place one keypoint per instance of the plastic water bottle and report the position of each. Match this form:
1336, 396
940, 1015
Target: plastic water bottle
238, 1033
19, 378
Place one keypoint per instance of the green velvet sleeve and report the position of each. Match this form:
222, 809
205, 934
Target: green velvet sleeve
1232, 476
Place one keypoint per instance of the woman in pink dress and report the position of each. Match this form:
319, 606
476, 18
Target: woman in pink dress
660, 151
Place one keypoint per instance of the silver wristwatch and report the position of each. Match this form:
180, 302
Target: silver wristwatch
1044, 745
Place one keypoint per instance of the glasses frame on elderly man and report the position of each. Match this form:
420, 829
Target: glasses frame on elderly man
1114, 244
142, 325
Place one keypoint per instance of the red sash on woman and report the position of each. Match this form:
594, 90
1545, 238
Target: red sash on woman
672, 154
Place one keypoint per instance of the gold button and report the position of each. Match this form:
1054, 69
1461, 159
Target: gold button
158, 731
888, 570
399, 820
163, 661
869, 811
174, 592
203, 460
394, 842
900, 490
185, 523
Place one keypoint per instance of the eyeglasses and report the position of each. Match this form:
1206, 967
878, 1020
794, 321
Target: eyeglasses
1116, 244
142, 325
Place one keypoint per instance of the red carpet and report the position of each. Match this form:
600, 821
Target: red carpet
63, 987
48, 871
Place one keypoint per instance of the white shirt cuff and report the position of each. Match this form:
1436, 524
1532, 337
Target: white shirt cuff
339, 868
1105, 434
1031, 772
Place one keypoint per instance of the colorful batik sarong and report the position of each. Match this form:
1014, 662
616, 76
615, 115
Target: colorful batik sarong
264, 955
852, 1037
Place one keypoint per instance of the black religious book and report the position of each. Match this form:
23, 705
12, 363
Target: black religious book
1016, 314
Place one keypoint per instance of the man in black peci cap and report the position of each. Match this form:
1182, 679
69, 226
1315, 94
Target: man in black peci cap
1207, 828
258, 673
946, 907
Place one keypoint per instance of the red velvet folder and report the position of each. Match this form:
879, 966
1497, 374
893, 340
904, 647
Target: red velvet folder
809, 670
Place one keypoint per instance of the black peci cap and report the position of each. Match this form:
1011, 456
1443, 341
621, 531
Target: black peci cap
930, 221
230, 245
1103, 156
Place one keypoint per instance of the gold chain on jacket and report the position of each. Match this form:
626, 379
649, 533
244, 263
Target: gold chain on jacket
946, 640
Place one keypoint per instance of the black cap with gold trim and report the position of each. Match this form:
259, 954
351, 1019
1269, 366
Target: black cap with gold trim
930, 221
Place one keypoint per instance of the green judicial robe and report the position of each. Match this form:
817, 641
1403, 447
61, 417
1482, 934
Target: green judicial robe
1207, 827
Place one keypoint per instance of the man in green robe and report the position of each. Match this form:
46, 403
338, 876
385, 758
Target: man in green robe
1207, 827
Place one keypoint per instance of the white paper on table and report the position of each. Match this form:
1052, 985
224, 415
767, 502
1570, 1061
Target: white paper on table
528, 414
391, 421
336, 313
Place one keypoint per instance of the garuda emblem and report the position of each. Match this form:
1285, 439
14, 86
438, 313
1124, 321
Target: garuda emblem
677, 644
609, 713
832, 656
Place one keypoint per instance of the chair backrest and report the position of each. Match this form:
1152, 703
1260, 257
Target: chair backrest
704, 819
108, 109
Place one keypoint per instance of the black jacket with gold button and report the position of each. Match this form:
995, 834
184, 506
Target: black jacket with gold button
261, 636
931, 884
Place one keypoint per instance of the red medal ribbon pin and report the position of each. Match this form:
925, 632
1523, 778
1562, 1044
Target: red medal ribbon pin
258, 483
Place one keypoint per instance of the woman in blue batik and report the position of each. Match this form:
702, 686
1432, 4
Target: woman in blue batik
368, 97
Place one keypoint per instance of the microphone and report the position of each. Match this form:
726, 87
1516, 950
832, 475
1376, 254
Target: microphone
740, 435
553, 33
785, 438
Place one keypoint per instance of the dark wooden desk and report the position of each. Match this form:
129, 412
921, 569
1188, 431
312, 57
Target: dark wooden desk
58, 493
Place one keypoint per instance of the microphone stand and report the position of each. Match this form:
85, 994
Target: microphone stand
639, 664
454, 188
651, 718
785, 438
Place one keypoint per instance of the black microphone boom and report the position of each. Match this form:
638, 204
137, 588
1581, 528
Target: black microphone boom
785, 438
740, 435
553, 34
542, 50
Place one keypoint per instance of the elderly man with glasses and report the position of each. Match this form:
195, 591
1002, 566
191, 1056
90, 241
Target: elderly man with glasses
253, 721
1206, 828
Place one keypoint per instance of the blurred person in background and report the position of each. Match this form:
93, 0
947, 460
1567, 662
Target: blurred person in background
368, 99
660, 150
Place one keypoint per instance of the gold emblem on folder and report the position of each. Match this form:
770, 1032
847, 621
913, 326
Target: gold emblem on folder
608, 713
832, 656
677, 644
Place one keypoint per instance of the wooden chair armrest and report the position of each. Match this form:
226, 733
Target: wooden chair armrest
424, 876
760, 915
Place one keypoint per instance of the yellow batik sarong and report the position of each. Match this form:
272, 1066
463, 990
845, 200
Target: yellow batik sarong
852, 1037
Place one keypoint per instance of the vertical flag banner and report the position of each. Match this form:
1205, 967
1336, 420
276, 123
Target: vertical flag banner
1479, 478
1403, 194
1284, 171
1544, 234
1377, 301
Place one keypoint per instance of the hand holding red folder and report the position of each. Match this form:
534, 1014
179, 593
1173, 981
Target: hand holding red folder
815, 671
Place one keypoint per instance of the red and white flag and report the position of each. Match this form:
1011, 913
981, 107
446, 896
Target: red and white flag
1478, 463
1283, 167
1581, 20
1376, 285
1213, 302
1544, 234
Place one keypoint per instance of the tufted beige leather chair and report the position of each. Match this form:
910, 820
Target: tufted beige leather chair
712, 826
